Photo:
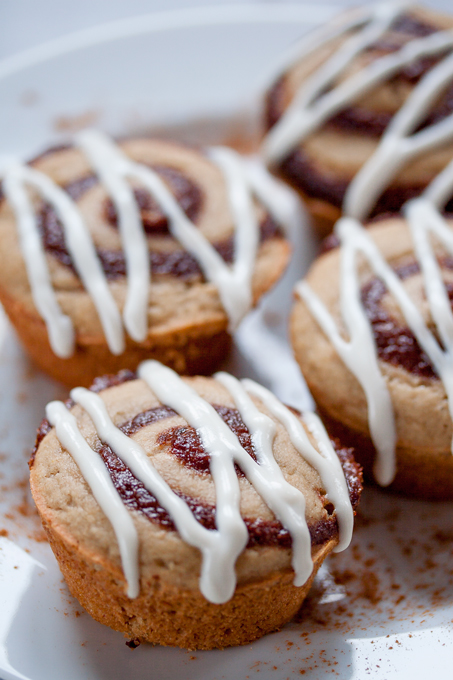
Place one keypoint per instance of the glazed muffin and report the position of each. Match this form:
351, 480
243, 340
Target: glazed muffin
338, 115
370, 331
113, 254
178, 544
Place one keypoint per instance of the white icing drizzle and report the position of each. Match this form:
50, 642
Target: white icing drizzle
326, 462
359, 352
398, 146
112, 168
286, 502
233, 283
59, 326
312, 106
322, 35
224, 450
243, 181
81, 249
221, 547
441, 188
98, 479
423, 219
282, 204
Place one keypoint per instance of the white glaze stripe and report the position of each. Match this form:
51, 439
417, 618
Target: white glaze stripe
300, 123
323, 35
224, 449
440, 190
113, 167
234, 283
286, 502
326, 462
423, 219
384, 15
192, 239
98, 479
311, 107
59, 326
238, 281
221, 444
219, 548
359, 352
397, 146
81, 249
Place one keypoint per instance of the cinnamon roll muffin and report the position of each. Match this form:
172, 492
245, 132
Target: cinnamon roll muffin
371, 331
361, 120
112, 254
192, 512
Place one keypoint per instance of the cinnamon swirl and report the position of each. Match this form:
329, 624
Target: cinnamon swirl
115, 253
372, 330
362, 118
190, 511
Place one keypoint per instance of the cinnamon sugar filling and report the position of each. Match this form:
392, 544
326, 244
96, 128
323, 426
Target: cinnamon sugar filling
176, 263
397, 344
300, 171
373, 123
184, 443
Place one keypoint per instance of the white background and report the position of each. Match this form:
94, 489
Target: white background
26, 23
42, 638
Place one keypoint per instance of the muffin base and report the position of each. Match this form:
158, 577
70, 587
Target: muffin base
420, 474
165, 614
196, 350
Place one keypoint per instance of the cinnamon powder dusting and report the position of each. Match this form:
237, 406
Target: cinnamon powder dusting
383, 592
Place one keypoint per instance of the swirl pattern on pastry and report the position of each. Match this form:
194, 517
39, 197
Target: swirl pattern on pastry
325, 98
131, 210
219, 545
360, 352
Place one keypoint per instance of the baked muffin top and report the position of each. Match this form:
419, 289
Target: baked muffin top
178, 451
334, 143
368, 334
172, 286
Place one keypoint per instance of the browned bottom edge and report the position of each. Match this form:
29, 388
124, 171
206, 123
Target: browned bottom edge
165, 614
190, 351
420, 474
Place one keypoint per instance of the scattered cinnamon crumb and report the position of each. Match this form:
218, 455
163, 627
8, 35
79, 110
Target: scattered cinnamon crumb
133, 644
39, 536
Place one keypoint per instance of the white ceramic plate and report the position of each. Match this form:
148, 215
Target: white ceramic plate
383, 609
